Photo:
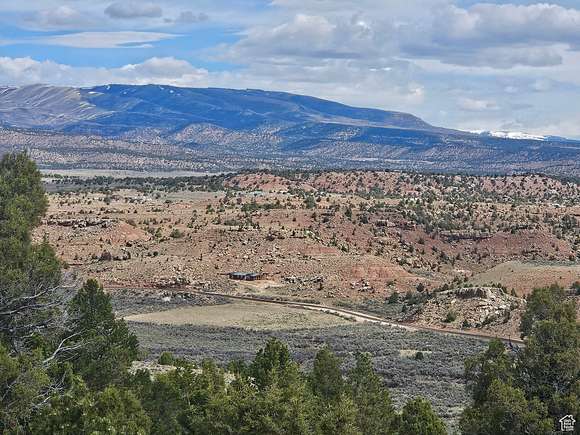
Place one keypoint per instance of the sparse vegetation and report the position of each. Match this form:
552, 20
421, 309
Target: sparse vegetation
68, 359
450, 317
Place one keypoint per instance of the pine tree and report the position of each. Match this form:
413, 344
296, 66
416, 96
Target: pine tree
107, 346
375, 410
418, 418
326, 378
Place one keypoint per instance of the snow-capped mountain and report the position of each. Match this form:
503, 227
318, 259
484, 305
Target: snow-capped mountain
518, 135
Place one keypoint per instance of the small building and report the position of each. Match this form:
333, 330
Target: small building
246, 276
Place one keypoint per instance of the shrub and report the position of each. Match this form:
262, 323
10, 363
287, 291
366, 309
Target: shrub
166, 359
176, 234
451, 316
394, 298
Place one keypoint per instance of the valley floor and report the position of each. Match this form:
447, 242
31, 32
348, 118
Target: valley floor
235, 331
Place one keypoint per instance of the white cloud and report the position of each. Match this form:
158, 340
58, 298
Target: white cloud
168, 71
287, 38
507, 57
484, 35
23, 71
476, 105
311, 36
106, 39
133, 9
503, 24
495, 35
62, 17
542, 85
189, 17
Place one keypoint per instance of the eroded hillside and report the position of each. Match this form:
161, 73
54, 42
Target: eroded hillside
346, 237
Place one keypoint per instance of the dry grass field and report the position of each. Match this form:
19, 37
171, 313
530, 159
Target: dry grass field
244, 315
524, 276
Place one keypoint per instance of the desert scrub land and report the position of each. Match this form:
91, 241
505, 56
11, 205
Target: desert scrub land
198, 327
437, 374
514, 274
352, 238
131, 302
332, 234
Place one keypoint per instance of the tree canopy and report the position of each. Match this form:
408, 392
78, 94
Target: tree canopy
529, 390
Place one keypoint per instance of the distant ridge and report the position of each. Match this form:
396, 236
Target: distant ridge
169, 107
166, 127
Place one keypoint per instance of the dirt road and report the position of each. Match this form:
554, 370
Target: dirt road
358, 316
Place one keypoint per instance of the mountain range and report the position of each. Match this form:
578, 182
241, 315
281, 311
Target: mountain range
163, 128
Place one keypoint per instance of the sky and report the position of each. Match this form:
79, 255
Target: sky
495, 65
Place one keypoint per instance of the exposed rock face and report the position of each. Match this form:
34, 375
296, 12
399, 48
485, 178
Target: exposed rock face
489, 308
80, 223
172, 282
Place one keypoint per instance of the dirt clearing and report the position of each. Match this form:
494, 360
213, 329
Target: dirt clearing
523, 276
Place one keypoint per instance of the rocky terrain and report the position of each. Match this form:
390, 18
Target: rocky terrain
487, 308
445, 251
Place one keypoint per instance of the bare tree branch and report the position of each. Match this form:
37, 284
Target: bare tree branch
62, 348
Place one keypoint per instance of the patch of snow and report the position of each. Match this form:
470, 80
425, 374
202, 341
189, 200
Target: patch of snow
509, 135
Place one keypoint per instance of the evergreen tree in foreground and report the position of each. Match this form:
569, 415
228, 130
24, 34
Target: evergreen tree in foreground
528, 391
51, 346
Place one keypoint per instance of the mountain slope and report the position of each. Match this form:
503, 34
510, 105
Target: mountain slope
189, 128
113, 107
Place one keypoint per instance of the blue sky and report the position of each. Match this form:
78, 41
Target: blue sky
497, 65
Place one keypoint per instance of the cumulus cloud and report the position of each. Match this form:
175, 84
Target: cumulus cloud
488, 23
311, 36
23, 71
61, 17
483, 35
495, 35
167, 71
500, 36
133, 9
